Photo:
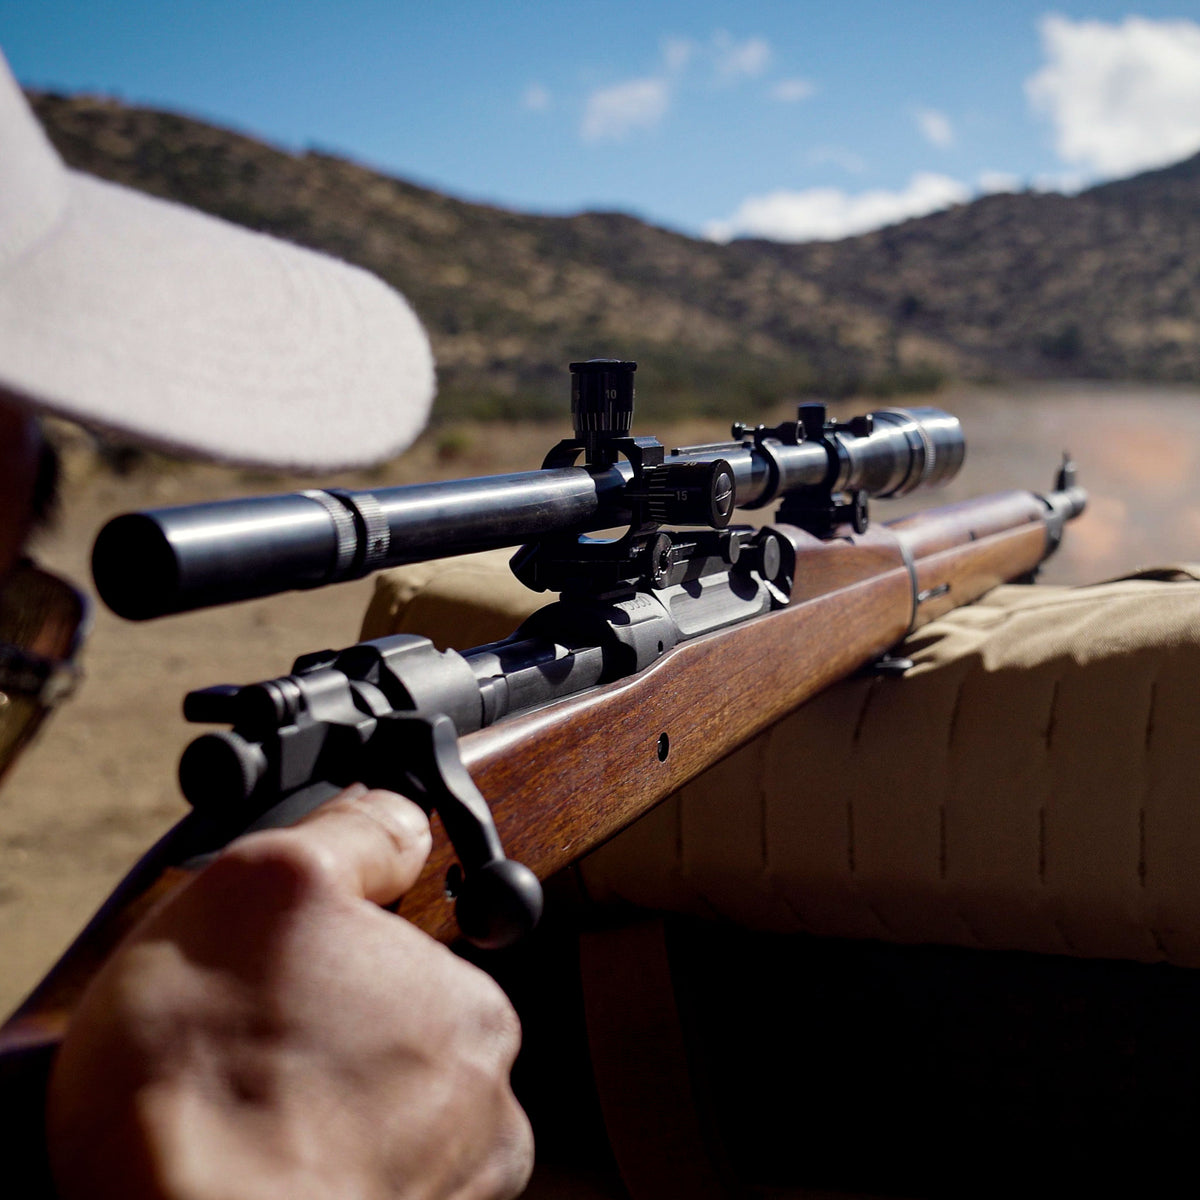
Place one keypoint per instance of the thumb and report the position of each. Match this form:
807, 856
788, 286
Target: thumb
374, 842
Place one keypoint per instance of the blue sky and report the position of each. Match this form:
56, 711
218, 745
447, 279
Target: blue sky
794, 120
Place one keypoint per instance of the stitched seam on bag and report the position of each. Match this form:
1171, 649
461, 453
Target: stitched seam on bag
712, 911
772, 883
868, 696
887, 929
972, 935
1041, 850
850, 856
793, 911
942, 868
1052, 716
775, 885
952, 724
685, 876
1048, 738
1141, 867
1062, 933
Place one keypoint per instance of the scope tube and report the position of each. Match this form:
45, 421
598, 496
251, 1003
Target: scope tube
171, 560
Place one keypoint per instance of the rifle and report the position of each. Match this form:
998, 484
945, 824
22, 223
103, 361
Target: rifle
673, 642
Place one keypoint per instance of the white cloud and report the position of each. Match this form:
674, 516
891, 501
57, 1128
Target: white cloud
790, 90
839, 156
823, 214
613, 112
935, 127
991, 182
536, 98
1121, 97
736, 59
677, 53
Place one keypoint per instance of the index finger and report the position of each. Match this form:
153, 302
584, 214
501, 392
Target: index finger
373, 842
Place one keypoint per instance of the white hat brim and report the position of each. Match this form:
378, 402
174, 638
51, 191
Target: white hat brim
158, 322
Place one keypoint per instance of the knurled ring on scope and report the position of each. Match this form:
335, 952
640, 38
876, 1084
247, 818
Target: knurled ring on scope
375, 535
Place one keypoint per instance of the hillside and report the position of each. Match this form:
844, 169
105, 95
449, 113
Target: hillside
1098, 285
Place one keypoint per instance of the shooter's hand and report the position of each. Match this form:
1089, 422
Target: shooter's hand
271, 1031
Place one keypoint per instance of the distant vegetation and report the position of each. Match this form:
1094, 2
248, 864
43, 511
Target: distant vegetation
1099, 285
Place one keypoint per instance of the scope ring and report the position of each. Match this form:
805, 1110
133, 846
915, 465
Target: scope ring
343, 528
375, 537
766, 447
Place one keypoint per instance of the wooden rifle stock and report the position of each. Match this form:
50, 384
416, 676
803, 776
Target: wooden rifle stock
853, 600
563, 779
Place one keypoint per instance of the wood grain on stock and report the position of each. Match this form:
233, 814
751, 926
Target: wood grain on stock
564, 780
970, 548
551, 786
926, 533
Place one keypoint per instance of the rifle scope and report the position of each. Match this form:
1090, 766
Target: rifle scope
171, 560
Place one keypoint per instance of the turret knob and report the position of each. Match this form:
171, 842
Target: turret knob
601, 400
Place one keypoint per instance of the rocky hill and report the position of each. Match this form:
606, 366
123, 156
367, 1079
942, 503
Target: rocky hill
1105, 284
1099, 285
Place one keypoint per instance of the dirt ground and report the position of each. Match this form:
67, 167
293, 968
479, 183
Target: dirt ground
99, 786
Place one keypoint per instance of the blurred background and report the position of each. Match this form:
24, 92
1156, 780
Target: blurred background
991, 208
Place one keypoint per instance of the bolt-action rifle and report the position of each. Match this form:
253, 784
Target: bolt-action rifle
673, 642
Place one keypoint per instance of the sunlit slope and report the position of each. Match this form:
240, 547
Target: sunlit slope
1099, 285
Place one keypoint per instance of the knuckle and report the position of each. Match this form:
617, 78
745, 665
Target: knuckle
275, 864
494, 1024
504, 1144
511, 1164
478, 1033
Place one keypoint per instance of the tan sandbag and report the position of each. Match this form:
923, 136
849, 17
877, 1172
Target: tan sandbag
456, 602
1031, 784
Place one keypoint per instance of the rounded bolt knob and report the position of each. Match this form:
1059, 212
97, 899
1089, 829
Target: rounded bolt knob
498, 903
771, 559
220, 770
